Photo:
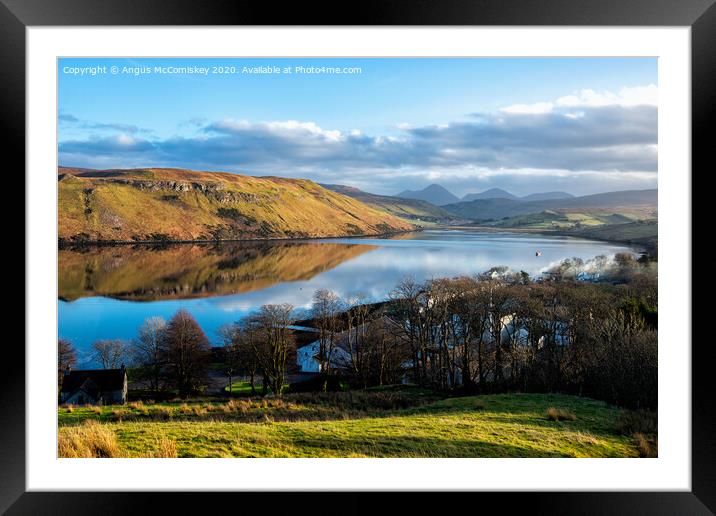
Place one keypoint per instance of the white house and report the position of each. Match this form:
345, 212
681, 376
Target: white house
308, 362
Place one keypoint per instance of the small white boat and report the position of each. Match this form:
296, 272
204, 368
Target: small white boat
538, 253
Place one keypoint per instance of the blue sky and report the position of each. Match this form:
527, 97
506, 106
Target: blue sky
582, 125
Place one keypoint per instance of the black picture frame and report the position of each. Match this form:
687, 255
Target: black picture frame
17, 15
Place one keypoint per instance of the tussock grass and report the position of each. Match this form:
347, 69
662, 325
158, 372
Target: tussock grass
642, 426
166, 449
118, 414
199, 411
560, 414
648, 446
161, 412
319, 406
90, 440
97, 440
637, 421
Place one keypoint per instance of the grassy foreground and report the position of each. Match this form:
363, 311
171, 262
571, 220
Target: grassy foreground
344, 425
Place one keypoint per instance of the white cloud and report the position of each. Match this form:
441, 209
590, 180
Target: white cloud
529, 109
587, 138
285, 128
626, 97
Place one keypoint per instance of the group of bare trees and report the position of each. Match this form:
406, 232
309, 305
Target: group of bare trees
494, 334
261, 343
166, 355
170, 355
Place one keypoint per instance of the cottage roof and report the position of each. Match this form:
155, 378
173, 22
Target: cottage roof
93, 380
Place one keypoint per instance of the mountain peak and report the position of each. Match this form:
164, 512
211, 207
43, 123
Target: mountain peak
434, 194
492, 193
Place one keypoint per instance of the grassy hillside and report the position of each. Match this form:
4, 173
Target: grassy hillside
148, 272
565, 219
516, 425
414, 210
644, 233
173, 204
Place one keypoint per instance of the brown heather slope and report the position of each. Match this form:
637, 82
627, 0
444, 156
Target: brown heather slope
183, 205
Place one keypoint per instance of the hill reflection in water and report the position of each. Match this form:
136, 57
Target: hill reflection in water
185, 271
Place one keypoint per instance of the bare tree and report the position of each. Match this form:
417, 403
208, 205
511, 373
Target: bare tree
247, 358
410, 311
272, 342
358, 342
66, 358
148, 350
230, 335
388, 350
110, 353
326, 310
187, 353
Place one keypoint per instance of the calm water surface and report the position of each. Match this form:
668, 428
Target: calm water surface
108, 292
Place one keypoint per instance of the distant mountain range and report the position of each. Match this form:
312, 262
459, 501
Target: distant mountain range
642, 201
440, 196
545, 196
412, 209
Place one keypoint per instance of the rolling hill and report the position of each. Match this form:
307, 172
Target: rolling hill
563, 219
545, 196
498, 193
492, 193
162, 204
410, 209
636, 204
642, 232
434, 194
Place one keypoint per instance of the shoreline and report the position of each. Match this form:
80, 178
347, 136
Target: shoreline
65, 244
644, 247
641, 247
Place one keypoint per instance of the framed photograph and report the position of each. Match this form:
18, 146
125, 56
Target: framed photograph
422, 248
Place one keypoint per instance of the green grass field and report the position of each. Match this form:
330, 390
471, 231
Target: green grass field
243, 388
565, 219
361, 425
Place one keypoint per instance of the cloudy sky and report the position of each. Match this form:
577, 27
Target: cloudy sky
582, 125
